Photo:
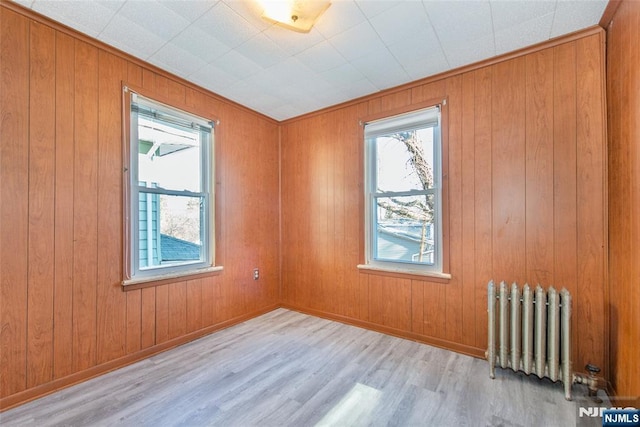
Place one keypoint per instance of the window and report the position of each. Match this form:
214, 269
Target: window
403, 192
170, 216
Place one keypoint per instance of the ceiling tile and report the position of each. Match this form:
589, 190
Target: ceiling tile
527, 33
176, 60
237, 64
421, 55
222, 23
126, 35
154, 17
371, 8
293, 42
411, 15
343, 76
87, 17
201, 44
356, 48
251, 11
340, 16
214, 79
381, 69
574, 15
460, 21
461, 53
357, 41
321, 57
508, 14
189, 9
262, 50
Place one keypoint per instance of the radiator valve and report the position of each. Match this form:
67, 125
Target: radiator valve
591, 381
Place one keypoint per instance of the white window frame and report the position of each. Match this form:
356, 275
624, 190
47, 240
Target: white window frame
135, 274
424, 117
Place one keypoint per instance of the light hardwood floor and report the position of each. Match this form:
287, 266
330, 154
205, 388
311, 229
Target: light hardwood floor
290, 369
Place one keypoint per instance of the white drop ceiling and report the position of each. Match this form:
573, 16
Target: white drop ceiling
356, 48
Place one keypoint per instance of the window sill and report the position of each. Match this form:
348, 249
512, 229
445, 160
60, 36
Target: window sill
405, 272
145, 282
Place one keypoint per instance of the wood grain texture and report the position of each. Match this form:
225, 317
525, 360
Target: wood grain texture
590, 199
64, 313
85, 206
14, 188
63, 287
497, 163
539, 162
40, 278
514, 178
623, 75
565, 178
111, 315
289, 369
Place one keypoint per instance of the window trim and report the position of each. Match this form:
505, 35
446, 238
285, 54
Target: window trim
441, 273
159, 276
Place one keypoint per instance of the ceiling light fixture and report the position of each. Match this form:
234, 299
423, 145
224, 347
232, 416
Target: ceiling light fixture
295, 15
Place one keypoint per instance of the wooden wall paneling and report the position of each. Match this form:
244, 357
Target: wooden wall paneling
162, 313
134, 320
564, 178
14, 186
345, 277
623, 71
467, 272
113, 305
434, 308
425, 92
85, 200
148, 317
320, 214
64, 191
455, 300
508, 172
194, 305
177, 309
539, 168
40, 278
353, 185
390, 102
208, 301
417, 307
483, 196
363, 305
591, 200
296, 194
268, 253
390, 301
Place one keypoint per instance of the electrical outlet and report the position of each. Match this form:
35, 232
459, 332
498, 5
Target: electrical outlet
256, 274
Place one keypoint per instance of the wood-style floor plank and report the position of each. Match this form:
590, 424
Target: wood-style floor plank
290, 369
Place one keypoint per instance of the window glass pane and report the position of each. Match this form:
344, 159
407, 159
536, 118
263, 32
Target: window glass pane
170, 229
169, 156
404, 161
404, 229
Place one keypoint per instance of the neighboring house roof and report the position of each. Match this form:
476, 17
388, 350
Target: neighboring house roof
174, 249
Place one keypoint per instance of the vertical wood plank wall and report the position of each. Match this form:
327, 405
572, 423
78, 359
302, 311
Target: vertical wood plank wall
64, 315
623, 39
527, 201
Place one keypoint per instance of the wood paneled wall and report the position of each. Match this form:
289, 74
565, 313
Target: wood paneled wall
64, 314
623, 54
527, 201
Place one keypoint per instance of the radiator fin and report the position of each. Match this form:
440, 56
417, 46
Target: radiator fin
530, 331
